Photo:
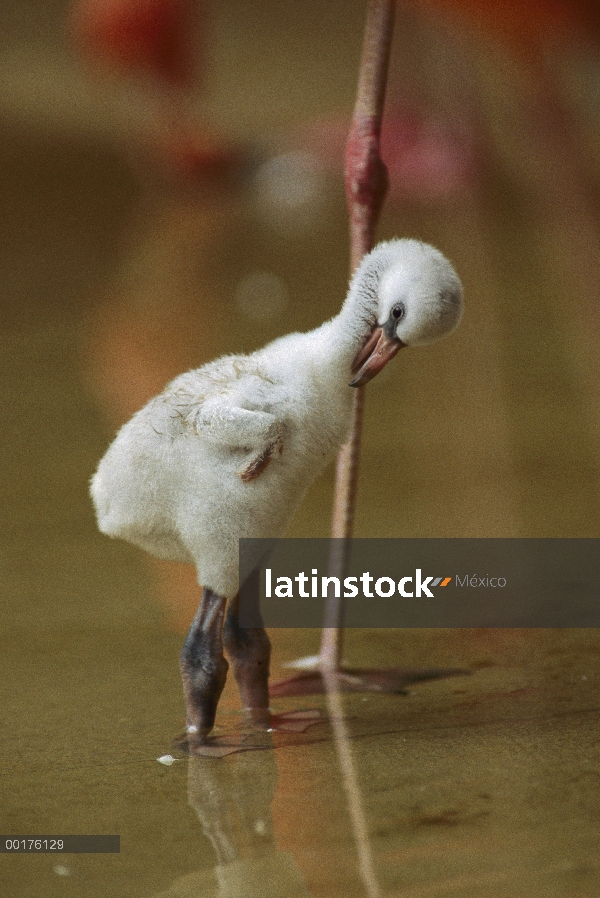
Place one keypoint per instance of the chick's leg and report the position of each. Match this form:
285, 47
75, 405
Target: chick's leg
249, 650
203, 666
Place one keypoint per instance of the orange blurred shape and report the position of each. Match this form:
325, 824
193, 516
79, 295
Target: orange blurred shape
178, 592
197, 156
132, 350
524, 24
156, 37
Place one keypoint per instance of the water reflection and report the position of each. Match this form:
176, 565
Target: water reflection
232, 799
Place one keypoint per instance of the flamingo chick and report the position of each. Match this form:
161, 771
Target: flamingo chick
228, 451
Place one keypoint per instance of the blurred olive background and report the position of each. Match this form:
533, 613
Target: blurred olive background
150, 223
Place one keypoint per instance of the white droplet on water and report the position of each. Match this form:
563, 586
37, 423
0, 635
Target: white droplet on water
167, 760
61, 871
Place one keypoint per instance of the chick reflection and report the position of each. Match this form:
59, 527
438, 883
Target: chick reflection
232, 798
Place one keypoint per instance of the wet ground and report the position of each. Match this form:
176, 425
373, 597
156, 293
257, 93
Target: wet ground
471, 786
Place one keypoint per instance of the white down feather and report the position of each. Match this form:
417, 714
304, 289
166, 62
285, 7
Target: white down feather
171, 480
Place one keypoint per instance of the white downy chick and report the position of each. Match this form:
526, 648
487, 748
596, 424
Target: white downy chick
228, 450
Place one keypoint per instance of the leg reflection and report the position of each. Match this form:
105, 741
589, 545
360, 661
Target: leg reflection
232, 799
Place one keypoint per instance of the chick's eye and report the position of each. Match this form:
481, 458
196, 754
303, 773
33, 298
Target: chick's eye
398, 311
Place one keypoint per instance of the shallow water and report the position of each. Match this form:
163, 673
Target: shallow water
480, 785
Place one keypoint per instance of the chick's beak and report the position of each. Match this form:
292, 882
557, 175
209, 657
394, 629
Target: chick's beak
374, 356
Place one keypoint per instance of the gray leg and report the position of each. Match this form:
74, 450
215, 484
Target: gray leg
203, 667
249, 650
